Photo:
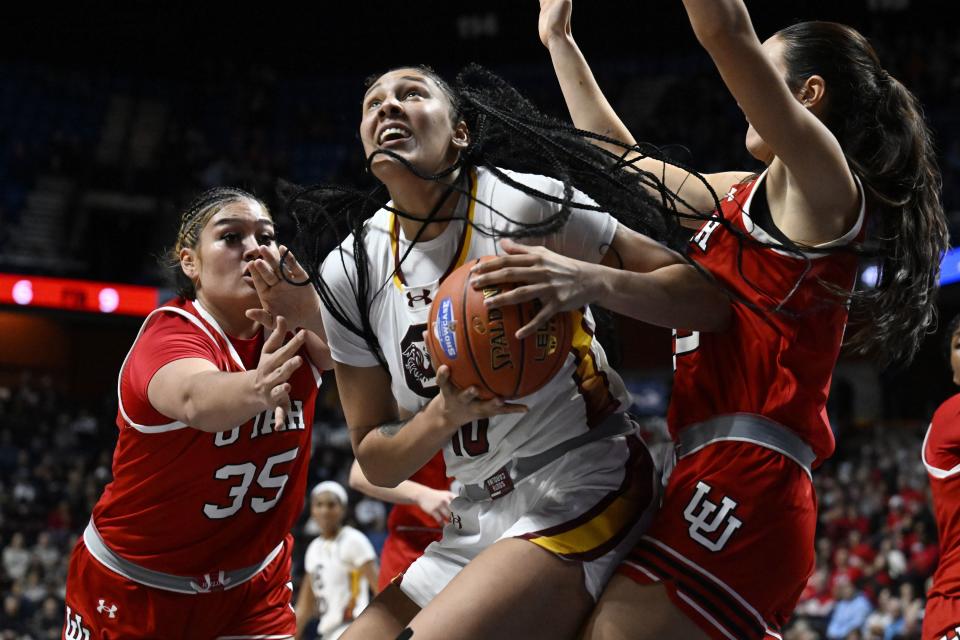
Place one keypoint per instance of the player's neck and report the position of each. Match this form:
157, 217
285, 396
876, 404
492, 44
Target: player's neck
331, 534
233, 321
418, 198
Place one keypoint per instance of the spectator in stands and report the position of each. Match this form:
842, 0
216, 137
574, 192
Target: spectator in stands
16, 558
850, 611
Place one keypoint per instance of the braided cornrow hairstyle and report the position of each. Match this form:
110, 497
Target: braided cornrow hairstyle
192, 221
507, 132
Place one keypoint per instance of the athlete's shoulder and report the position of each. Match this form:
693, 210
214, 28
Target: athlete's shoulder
948, 413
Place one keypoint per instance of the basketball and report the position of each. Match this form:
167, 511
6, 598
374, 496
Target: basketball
480, 345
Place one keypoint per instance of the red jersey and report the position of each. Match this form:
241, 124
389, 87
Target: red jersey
433, 475
777, 365
941, 457
189, 502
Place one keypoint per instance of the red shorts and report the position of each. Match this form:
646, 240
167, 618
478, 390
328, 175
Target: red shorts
400, 549
102, 604
733, 543
941, 619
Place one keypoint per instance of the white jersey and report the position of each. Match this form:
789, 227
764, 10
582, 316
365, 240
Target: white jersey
579, 397
333, 568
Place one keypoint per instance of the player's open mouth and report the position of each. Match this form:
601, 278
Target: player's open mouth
393, 134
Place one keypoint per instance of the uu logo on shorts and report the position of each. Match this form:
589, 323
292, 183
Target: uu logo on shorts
702, 527
445, 328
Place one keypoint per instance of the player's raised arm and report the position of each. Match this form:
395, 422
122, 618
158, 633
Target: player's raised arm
590, 110
784, 117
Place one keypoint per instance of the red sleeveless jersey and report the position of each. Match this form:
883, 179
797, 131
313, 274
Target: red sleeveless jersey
777, 365
941, 457
189, 502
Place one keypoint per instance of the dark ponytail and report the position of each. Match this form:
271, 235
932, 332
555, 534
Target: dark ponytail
881, 128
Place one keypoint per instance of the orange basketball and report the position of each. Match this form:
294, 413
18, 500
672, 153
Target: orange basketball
480, 345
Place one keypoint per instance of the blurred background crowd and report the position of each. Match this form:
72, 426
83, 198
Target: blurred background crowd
111, 120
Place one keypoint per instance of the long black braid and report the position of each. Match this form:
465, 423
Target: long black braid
507, 132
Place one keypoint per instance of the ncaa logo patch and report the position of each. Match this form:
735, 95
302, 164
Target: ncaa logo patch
445, 328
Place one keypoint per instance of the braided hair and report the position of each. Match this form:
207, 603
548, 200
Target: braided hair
192, 222
507, 132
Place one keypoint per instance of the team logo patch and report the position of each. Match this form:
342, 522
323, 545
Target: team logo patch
702, 527
417, 369
73, 628
445, 328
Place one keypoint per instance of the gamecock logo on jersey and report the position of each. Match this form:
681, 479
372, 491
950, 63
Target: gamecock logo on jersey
703, 527
417, 368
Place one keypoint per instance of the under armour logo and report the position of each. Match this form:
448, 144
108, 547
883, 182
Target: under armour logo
731, 194
74, 629
424, 298
699, 525
112, 609
456, 521
209, 584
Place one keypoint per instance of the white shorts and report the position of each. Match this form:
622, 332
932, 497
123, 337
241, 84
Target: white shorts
589, 506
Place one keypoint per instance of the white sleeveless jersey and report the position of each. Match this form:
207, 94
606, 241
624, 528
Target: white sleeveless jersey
579, 397
333, 568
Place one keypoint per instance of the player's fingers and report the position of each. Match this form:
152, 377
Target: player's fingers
518, 295
502, 262
279, 415
539, 320
275, 339
496, 407
271, 256
286, 354
516, 248
262, 316
507, 275
283, 372
291, 266
262, 278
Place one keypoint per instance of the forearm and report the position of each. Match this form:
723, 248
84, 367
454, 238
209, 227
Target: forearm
218, 401
589, 108
673, 296
714, 19
390, 453
404, 493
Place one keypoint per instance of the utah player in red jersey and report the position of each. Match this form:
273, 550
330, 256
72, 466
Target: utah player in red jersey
732, 546
941, 457
192, 539
421, 507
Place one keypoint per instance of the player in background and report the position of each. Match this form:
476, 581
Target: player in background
846, 148
941, 457
517, 542
421, 506
340, 567
191, 539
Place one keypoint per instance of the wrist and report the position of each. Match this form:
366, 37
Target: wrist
438, 418
560, 39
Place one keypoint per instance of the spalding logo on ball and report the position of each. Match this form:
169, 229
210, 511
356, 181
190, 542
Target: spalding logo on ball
480, 345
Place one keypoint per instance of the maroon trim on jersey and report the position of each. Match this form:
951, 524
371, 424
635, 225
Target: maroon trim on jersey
395, 232
638, 467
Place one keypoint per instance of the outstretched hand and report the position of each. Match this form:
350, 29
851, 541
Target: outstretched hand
278, 361
554, 20
299, 304
558, 282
